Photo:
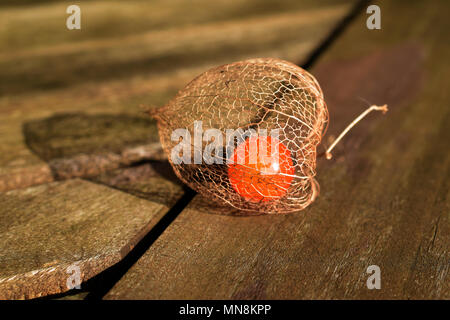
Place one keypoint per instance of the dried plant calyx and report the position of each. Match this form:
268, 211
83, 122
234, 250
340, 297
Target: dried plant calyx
265, 95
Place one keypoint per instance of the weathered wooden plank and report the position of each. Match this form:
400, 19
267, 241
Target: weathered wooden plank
158, 51
69, 145
48, 228
37, 24
155, 182
384, 198
132, 70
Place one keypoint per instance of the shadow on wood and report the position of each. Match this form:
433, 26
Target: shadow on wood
83, 145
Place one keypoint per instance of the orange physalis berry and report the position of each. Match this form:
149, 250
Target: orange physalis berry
261, 169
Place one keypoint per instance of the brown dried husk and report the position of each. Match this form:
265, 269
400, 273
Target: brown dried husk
263, 93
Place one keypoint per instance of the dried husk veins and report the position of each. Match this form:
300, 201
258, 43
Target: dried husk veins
263, 93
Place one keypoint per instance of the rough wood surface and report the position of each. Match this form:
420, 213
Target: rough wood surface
384, 199
70, 108
48, 228
61, 88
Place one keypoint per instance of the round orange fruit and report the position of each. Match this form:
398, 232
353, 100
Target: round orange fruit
261, 169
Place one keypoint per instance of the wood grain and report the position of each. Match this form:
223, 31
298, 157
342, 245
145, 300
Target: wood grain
48, 228
70, 108
384, 198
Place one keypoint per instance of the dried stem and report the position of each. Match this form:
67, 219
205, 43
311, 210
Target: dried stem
383, 109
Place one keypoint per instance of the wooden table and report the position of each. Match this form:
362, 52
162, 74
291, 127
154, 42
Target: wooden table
85, 185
